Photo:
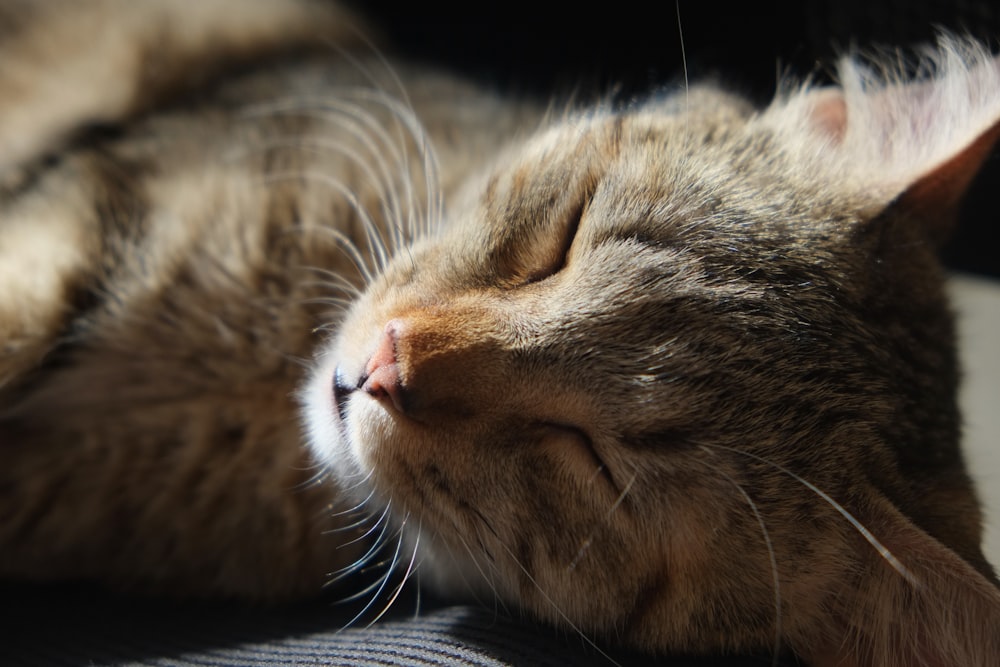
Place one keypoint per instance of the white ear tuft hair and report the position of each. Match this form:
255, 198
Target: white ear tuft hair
886, 127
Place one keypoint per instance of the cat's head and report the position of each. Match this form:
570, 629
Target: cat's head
682, 374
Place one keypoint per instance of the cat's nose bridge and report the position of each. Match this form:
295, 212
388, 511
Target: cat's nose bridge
437, 361
382, 379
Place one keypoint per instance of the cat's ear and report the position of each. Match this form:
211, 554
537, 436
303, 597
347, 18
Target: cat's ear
914, 143
916, 603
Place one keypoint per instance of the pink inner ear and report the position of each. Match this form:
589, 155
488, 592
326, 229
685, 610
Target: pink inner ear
829, 114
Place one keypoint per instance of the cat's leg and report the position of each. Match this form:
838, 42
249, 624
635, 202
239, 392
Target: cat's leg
67, 64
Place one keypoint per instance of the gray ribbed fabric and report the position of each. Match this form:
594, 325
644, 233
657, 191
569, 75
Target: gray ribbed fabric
62, 626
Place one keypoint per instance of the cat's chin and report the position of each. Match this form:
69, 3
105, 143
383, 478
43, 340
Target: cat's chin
343, 448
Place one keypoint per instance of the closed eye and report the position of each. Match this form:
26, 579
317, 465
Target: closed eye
575, 448
560, 257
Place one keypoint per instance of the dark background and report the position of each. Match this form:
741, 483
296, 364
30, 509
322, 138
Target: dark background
626, 48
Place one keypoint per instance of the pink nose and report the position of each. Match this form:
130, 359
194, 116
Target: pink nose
382, 379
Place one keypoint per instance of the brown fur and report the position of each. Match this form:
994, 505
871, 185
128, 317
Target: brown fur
637, 377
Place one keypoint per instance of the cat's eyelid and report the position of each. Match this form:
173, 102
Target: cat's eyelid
601, 469
569, 231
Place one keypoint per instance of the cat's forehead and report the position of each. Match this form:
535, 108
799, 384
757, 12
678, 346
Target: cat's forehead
700, 158
657, 128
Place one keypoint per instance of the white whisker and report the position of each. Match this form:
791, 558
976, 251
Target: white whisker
435, 198
419, 135
488, 578
379, 583
418, 587
381, 519
588, 542
399, 588
383, 581
882, 550
770, 552
360, 563
318, 478
684, 62
373, 135
320, 146
343, 241
339, 304
334, 280
363, 478
552, 603
621, 496
359, 506
365, 518
373, 236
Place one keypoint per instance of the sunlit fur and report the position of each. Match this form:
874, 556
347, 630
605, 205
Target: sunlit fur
677, 376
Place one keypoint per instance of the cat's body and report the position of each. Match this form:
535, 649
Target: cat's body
176, 334
635, 371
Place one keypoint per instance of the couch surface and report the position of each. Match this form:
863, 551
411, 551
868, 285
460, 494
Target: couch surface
70, 626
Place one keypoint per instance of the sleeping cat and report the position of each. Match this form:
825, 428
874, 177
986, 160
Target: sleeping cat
678, 376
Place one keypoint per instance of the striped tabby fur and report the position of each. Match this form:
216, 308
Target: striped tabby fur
678, 375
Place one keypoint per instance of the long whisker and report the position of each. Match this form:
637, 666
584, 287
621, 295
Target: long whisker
384, 580
362, 480
367, 72
360, 505
371, 133
399, 588
430, 164
351, 250
548, 599
362, 564
586, 544
621, 496
365, 518
338, 304
684, 62
488, 578
882, 550
379, 583
371, 530
429, 170
360, 127
388, 201
335, 281
376, 244
377, 85
349, 115
435, 202
378, 544
770, 553
319, 477
416, 603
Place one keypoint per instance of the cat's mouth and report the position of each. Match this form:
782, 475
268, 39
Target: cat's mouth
342, 390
